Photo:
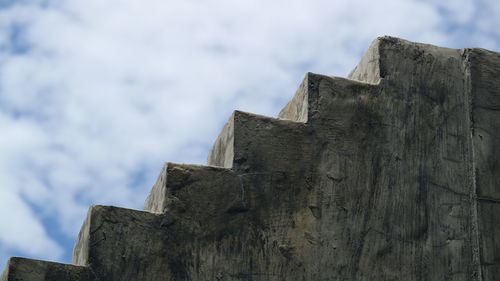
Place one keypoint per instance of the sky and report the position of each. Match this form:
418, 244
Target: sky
96, 95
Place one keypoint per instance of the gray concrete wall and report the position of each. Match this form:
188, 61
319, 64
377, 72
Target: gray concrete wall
390, 174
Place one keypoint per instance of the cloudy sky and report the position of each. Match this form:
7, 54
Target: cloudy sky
95, 95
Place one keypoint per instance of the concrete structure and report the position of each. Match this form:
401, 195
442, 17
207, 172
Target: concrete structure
391, 174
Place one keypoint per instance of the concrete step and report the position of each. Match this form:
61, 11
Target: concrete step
397, 61
208, 181
199, 220
201, 199
328, 100
250, 142
224, 218
23, 269
124, 244
204, 193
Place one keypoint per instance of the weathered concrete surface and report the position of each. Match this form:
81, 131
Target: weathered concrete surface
297, 109
484, 71
232, 224
22, 269
388, 163
123, 244
392, 174
250, 142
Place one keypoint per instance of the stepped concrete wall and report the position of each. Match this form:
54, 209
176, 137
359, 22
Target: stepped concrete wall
390, 174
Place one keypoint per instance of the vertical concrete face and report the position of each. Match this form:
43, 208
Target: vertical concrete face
22, 269
484, 70
123, 244
297, 109
250, 142
232, 224
391, 174
398, 153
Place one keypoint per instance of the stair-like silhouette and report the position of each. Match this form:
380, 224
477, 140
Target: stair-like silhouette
391, 174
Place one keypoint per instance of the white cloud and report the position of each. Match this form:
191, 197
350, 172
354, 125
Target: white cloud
95, 95
22, 231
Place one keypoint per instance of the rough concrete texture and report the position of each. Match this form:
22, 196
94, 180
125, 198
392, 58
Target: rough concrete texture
20, 269
391, 174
